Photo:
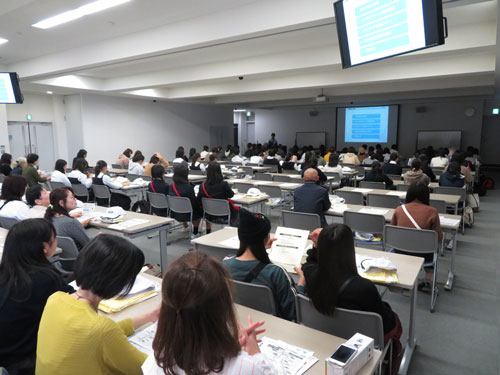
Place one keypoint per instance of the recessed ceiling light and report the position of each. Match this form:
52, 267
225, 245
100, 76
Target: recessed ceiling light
49, 92
239, 110
2, 40
74, 14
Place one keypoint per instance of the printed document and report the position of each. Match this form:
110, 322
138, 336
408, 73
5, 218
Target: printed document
289, 247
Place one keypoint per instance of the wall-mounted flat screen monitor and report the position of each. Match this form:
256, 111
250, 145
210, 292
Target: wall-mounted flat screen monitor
10, 92
370, 30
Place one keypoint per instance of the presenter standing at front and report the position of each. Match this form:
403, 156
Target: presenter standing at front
272, 142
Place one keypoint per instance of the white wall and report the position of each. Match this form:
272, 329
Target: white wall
446, 114
4, 134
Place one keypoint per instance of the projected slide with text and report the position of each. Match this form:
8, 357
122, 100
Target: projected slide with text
6, 91
366, 125
381, 28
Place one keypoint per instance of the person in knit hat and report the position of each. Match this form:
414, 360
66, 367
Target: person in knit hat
251, 263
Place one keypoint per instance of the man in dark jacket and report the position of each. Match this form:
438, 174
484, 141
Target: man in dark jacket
312, 198
393, 166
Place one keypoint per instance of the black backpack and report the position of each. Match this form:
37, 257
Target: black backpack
142, 206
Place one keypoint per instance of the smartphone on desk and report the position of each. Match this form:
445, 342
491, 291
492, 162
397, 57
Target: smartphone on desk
343, 355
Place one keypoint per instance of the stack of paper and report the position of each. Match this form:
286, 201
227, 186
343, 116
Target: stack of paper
401, 194
288, 359
448, 221
233, 242
128, 224
362, 190
373, 211
143, 339
339, 208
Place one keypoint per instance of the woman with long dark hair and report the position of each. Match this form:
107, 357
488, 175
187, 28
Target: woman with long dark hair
377, 175
196, 164
27, 279
252, 264
80, 173
59, 174
81, 154
5, 164
62, 201
11, 204
452, 176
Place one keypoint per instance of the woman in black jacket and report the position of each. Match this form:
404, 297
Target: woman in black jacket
378, 175
452, 176
159, 186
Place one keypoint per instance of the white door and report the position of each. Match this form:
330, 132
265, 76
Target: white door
250, 133
18, 138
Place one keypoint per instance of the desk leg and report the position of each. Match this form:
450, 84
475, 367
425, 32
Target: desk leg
163, 250
451, 272
412, 340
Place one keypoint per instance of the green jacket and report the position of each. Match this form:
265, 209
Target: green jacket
31, 175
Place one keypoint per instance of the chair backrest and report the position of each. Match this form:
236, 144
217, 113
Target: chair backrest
247, 170
438, 204
272, 191
116, 166
274, 168
351, 197
289, 171
258, 297
216, 207
168, 180
402, 187
281, 178
242, 187
180, 205
372, 185
157, 200
263, 176
69, 252
55, 185
344, 323
362, 222
450, 191
80, 190
382, 200
300, 220
335, 175
101, 191
132, 177
394, 177
410, 239
7, 222
196, 172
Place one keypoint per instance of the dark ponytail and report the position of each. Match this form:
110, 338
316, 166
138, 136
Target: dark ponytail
99, 166
57, 195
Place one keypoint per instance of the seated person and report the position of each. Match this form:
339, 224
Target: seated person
179, 158
159, 186
310, 197
5, 164
350, 157
362, 155
27, 279
370, 159
80, 173
425, 167
452, 176
62, 201
427, 217
204, 153
312, 162
377, 175
196, 164
215, 187
59, 174
30, 172
333, 165
21, 163
135, 166
290, 163
441, 160
11, 204
416, 174
124, 158
459, 157
81, 154
332, 281
73, 338
393, 166
196, 295
101, 178
252, 265
182, 188
257, 159
271, 160
155, 159
38, 200
236, 157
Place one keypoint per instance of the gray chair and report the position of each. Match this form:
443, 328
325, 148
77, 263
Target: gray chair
216, 207
394, 177
102, 192
132, 177
181, 205
411, 240
351, 197
247, 170
335, 183
157, 200
365, 223
454, 191
282, 178
242, 187
67, 257
258, 297
55, 185
116, 166
343, 323
7, 222
289, 171
372, 185
274, 168
168, 180
438, 204
263, 176
196, 172
382, 200
274, 192
300, 220
402, 187
80, 191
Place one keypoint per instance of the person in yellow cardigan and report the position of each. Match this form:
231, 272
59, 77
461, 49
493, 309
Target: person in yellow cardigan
73, 338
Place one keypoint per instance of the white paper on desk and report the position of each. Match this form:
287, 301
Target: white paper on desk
448, 221
400, 194
288, 359
365, 263
143, 339
338, 208
362, 190
128, 224
142, 285
120, 180
288, 184
233, 242
373, 211
289, 247
237, 196
264, 182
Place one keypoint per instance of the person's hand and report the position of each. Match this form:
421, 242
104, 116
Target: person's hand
313, 236
76, 215
126, 183
85, 223
248, 336
154, 314
270, 243
300, 273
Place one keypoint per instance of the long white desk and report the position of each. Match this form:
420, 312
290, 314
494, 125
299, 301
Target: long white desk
321, 343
